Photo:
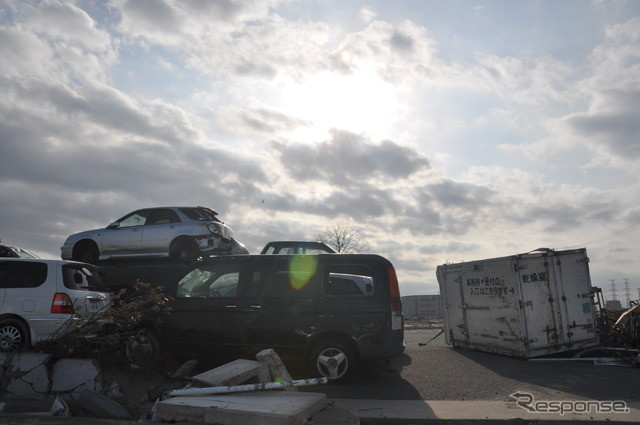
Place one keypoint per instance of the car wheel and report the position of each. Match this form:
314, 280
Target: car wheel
87, 253
332, 359
143, 349
14, 336
186, 250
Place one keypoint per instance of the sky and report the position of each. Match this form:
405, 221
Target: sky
443, 131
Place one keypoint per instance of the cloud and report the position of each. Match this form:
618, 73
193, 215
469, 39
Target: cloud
348, 158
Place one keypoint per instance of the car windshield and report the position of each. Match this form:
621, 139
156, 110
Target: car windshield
23, 253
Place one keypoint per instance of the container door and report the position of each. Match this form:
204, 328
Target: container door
449, 279
490, 299
574, 293
537, 279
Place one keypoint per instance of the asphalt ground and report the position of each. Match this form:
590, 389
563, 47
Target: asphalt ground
436, 371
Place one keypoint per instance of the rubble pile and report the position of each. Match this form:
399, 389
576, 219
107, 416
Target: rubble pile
243, 391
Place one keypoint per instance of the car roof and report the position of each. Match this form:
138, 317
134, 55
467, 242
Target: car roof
176, 207
308, 244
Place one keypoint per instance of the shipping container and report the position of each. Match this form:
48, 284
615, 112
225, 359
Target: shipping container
525, 305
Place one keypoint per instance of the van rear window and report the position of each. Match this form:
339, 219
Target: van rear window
22, 274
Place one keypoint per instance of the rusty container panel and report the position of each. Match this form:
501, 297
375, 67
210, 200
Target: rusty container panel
524, 305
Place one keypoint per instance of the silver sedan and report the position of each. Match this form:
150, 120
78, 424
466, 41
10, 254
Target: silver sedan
180, 232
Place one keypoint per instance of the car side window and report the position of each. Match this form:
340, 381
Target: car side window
163, 216
138, 218
81, 277
210, 281
23, 274
349, 280
282, 279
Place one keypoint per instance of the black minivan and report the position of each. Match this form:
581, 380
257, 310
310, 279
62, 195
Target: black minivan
333, 311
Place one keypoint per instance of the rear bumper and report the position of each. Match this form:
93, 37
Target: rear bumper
47, 328
392, 347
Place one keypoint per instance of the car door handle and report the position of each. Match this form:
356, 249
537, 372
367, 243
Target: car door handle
230, 306
255, 306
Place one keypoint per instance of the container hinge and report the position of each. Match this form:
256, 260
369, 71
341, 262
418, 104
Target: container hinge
463, 306
583, 260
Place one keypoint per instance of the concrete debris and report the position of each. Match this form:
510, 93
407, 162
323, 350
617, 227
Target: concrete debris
102, 406
277, 369
36, 383
234, 373
333, 415
246, 387
25, 375
75, 375
185, 370
258, 408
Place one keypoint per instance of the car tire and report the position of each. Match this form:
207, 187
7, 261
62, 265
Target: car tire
185, 250
14, 336
333, 359
143, 349
87, 253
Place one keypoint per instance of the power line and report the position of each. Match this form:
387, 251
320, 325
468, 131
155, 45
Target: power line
613, 235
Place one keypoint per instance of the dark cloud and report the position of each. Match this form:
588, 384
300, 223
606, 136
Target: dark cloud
223, 10
152, 14
617, 126
401, 42
266, 121
449, 193
349, 157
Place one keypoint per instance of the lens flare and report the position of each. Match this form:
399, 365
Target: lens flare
302, 267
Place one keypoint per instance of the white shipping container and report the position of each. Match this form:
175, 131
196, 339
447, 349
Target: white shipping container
525, 305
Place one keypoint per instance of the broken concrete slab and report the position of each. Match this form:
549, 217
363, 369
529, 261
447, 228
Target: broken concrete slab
260, 408
102, 406
234, 373
75, 375
277, 369
26, 375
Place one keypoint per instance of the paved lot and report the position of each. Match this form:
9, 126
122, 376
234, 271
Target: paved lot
438, 372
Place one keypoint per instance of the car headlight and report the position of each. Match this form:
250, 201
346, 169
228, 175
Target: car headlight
213, 228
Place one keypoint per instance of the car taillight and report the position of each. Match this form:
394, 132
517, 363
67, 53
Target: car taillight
214, 228
62, 304
397, 319
396, 304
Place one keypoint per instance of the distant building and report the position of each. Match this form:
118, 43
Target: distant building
613, 305
421, 306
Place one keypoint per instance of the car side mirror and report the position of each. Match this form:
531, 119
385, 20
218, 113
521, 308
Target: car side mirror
113, 225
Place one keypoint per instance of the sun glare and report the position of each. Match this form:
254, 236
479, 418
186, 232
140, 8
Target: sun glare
360, 102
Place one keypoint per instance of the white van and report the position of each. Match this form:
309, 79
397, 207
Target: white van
45, 299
